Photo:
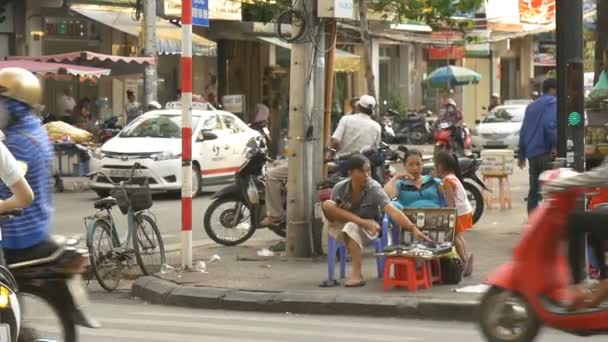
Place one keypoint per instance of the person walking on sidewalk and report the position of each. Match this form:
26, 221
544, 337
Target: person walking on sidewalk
446, 166
353, 211
538, 139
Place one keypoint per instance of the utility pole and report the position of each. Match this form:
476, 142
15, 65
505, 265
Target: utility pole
570, 83
301, 133
186, 62
318, 124
150, 77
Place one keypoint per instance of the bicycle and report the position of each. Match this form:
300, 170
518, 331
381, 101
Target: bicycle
108, 260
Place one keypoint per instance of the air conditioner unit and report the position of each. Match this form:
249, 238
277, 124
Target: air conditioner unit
343, 9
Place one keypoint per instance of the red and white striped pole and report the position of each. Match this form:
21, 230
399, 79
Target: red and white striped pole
186, 133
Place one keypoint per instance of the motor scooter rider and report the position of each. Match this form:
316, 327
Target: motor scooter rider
454, 116
28, 236
580, 224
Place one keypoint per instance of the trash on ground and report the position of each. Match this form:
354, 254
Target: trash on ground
265, 252
480, 288
201, 267
166, 269
215, 258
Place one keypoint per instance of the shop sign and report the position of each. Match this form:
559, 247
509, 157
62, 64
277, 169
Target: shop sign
217, 9
452, 52
234, 103
537, 11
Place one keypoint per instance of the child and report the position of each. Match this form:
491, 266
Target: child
446, 167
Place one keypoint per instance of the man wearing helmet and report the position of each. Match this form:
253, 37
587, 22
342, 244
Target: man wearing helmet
26, 237
358, 130
454, 116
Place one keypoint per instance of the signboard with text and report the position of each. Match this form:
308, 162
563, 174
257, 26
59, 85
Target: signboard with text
200, 13
234, 103
216, 9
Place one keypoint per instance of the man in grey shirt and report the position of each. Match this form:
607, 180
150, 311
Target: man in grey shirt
354, 210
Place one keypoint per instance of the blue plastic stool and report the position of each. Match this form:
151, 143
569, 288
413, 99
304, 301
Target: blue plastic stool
337, 247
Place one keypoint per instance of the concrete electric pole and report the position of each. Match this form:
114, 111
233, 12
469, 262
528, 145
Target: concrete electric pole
570, 83
150, 77
300, 189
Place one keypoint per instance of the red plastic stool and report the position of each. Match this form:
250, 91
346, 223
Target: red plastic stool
435, 271
406, 274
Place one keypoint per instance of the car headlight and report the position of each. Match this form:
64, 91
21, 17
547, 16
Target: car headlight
98, 153
165, 156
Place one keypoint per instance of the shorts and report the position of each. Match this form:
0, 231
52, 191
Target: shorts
464, 223
339, 231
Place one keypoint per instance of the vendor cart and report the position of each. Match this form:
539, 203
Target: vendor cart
71, 160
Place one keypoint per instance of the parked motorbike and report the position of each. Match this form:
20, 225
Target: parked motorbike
413, 129
530, 290
107, 129
238, 209
54, 278
445, 141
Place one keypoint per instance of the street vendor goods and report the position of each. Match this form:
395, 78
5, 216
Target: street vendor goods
58, 130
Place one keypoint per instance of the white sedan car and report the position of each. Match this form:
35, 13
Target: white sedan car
154, 140
499, 129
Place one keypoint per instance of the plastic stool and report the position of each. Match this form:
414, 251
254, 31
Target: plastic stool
504, 191
406, 274
435, 271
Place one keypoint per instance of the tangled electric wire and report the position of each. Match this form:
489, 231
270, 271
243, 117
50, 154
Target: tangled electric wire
297, 21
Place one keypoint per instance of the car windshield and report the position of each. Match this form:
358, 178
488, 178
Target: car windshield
502, 114
157, 126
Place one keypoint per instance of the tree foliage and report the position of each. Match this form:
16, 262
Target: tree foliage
436, 13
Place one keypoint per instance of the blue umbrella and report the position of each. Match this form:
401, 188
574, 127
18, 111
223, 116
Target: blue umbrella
452, 76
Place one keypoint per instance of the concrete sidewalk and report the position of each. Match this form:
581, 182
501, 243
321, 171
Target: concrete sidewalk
244, 281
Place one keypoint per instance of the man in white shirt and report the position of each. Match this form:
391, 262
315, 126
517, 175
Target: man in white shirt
358, 130
66, 104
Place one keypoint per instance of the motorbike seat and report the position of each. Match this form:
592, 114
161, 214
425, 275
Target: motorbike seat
466, 164
105, 203
559, 309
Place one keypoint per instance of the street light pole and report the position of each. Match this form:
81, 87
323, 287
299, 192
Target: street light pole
570, 83
186, 62
150, 76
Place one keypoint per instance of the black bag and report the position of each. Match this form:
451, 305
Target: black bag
451, 270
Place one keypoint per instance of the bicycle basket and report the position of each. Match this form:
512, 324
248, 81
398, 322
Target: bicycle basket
138, 196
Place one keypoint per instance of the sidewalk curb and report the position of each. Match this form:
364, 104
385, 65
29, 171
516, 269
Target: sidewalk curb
159, 291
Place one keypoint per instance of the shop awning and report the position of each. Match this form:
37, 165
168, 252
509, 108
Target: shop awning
55, 68
168, 36
344, 62
118, 65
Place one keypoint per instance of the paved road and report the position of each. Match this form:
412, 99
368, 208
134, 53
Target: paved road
71, 208
125, 320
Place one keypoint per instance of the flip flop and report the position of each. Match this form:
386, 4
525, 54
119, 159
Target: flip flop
359, 284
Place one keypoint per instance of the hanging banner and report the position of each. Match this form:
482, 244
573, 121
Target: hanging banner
537, 11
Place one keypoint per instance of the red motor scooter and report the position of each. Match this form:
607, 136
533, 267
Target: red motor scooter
530, 291
445, 141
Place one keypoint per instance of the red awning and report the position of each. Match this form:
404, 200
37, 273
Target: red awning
56, 68
119, 65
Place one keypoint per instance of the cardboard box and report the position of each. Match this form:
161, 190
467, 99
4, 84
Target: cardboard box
497, 162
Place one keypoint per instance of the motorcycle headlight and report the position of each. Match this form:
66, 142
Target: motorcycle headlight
165, 156
5, 297
98, 154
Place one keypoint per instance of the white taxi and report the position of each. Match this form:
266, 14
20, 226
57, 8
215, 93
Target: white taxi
154, 141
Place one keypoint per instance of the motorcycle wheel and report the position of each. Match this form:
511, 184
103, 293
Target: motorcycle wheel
504, 316
418, 137
476, 199
224, 210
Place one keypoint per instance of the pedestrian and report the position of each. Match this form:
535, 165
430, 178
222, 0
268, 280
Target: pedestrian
132, 108
65, 105
82, 113
29, 142
494, 102
446, 167
538, 139
354, 210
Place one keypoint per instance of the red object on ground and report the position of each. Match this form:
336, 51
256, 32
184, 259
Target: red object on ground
406, 274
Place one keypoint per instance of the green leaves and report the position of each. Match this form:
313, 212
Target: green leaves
435, 13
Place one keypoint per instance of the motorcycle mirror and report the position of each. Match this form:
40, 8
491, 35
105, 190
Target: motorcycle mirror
477, 122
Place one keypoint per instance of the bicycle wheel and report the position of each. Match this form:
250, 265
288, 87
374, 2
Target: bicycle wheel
107, 268
148, 244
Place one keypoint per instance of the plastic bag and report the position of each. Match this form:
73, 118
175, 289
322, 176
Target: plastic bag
57, 130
